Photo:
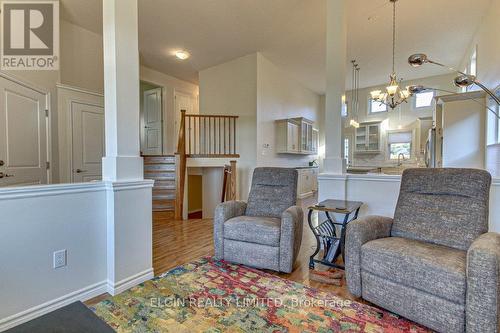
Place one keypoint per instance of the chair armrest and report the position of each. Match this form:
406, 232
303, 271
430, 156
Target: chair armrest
292, 221
358, 233
483, 284
223, 212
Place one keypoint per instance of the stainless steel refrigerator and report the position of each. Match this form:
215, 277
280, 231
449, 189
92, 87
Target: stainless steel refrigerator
430, 151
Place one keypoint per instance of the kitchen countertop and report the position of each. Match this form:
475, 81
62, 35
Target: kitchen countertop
307, 167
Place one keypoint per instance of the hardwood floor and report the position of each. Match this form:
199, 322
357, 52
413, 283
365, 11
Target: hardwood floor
179, 242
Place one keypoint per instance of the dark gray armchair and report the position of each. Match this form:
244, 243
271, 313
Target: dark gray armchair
434, 262
266, 232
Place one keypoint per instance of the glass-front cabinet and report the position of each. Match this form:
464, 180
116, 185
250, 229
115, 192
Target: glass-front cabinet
367, 138
306, 142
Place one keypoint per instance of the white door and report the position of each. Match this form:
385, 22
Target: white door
152, 134
23, 135
183, 102
87, 130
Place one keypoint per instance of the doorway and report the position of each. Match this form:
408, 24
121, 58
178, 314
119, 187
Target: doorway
151, 119
195, 193
24, 136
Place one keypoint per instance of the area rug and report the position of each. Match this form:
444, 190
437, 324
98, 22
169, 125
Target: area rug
215, 296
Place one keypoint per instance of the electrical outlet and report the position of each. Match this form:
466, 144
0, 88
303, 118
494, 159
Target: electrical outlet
59, 258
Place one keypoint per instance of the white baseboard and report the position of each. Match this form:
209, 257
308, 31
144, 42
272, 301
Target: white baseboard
39, 310
131, 281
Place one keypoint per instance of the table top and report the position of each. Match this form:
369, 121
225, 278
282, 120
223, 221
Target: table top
337, 206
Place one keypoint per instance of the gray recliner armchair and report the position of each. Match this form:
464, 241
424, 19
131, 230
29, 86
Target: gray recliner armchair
434, 262
266, 232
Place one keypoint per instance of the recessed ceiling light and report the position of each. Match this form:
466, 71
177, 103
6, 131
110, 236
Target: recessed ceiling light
183, 55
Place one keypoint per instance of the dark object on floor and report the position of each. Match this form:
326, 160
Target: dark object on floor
73, 318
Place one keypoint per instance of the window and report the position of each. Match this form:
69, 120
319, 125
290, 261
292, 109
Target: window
473, 63
346, 150
423, 99
399, 143
376, 107
344, 111
466, 71
471, 69
493, 123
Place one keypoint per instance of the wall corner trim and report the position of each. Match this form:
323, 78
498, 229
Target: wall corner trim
129, 282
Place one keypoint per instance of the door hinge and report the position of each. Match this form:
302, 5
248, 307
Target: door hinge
46, 112
47, 165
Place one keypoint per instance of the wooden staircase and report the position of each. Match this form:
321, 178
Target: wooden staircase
161, 169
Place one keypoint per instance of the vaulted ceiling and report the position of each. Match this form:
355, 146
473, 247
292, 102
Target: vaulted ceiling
292, 34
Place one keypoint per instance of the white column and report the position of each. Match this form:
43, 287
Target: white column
128, 195
121, 88
336, 59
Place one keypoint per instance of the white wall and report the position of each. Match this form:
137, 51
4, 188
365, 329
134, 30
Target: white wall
488, 48
403, 117
231, 89
280, 97
212, 190
170, 85
257, 91
81, 57
36, 223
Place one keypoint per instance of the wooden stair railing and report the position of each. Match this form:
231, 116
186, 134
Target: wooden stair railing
180, 168
229, 188
210, 136
204, 136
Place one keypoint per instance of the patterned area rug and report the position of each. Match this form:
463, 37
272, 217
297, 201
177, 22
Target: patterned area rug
215, 296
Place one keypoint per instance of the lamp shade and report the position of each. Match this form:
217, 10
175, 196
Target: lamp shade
392, 89
464, 80
418, 59
375, 94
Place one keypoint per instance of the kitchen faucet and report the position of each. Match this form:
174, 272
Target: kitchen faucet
400, 163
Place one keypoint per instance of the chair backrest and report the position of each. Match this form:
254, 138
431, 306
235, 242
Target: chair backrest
273, 191
443, 206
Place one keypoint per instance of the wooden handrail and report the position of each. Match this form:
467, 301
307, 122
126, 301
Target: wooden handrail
232, 182
180, 168
209, 116
229, 187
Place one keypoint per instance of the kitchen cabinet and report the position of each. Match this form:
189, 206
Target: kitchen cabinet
296, 136
307, 184
367, 138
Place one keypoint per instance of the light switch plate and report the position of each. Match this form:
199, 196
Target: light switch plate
59, 258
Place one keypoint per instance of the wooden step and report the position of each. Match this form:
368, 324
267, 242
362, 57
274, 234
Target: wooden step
160, 175
159, 159
168, 184
162, 170
169, 196
159, 167
163, 205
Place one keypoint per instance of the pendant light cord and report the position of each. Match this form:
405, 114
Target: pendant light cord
394, 36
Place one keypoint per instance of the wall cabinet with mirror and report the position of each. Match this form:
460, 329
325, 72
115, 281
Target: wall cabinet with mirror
367, 138
296, 136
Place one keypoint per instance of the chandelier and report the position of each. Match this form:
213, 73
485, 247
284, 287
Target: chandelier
394, 95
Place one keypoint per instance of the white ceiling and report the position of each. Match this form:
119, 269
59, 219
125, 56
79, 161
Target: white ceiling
291, 33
